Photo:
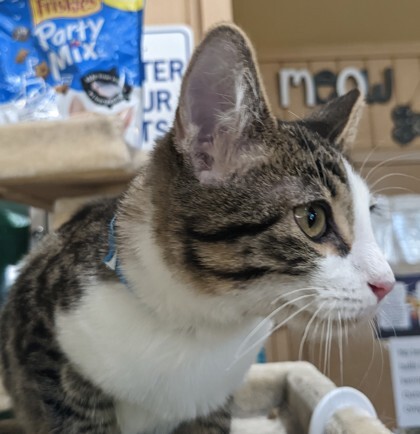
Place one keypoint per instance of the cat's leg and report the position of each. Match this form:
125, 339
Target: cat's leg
62, 402
217, 422
86, 408
55, 415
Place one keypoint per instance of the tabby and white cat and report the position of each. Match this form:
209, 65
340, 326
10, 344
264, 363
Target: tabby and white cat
236, 214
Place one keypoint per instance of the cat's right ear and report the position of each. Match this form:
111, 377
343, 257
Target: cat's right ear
222, 104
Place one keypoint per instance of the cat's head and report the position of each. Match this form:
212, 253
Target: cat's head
257, 212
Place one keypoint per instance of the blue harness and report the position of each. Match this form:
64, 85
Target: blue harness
111, 259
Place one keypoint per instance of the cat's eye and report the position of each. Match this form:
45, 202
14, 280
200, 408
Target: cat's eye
311, 218
373, 205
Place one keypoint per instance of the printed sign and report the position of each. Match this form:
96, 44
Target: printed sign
405, 369
166, 52
399, 314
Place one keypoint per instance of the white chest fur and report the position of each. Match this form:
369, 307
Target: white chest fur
159, 376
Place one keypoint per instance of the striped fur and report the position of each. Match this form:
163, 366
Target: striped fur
209, 246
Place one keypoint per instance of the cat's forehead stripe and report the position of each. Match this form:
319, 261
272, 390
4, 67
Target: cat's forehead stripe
326, 177
231, 232
322, 163
197, 262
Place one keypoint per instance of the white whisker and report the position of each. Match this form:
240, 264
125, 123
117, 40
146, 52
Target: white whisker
295, 115
321, 343
372, 357
314, 339
261, 340
329, 347
340, 347
378, 341
393, 188
382, 163
390, 175
389, 321
307, 328
367, 158
346, 327
267, 319
284, 295
327, 340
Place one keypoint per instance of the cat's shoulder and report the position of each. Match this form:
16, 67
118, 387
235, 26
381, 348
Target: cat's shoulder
80, 242
91, 216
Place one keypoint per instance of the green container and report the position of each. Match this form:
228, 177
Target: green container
14, 238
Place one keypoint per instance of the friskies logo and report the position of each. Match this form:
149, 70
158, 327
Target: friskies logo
47, 9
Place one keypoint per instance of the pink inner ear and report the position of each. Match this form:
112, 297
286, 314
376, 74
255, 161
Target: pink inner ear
210, 106
209, 90
203, 158
209, 98
220, 99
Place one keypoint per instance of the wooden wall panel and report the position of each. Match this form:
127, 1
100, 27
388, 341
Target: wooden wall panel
408, 89
269, 75
278, 346
382, 124
364, 135
377, 125
198, 14
215, 11
167, 12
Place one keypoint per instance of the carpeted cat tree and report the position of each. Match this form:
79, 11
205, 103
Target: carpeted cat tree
281, 398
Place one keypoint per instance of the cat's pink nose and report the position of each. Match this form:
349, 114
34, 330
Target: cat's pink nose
381, 289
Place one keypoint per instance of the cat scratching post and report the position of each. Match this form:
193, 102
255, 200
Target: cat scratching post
298, 387
41, 162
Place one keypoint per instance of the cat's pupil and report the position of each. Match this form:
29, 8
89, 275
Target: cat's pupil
311, 217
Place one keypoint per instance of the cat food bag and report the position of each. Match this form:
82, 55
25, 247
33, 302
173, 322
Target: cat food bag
63, 57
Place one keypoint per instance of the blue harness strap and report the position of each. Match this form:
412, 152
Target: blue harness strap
111, 259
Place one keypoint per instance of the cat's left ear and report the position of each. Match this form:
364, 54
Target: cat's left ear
338, 120
222, 107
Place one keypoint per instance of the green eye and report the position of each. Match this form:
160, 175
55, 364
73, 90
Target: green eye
312, 220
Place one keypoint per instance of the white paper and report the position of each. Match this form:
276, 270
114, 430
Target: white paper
394, 312
166, 53
405, 369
